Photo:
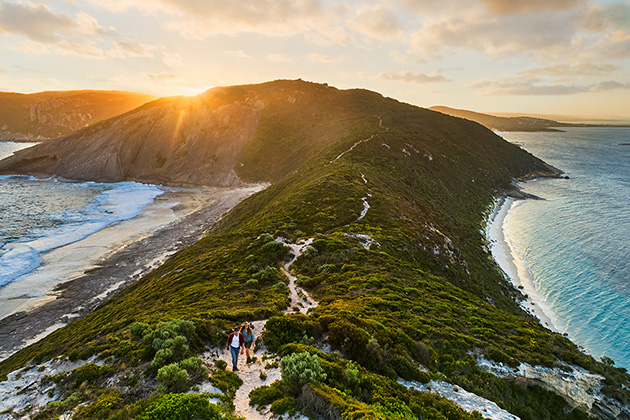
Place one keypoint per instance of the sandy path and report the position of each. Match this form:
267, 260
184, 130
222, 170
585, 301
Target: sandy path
250, 374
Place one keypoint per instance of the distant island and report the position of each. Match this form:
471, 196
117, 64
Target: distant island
362, 264
515, 123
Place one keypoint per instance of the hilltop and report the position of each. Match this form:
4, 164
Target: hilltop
45, 115
384, 204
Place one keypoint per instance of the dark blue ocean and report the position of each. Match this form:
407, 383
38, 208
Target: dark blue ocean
576, 242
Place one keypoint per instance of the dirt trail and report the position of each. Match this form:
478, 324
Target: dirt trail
251, 373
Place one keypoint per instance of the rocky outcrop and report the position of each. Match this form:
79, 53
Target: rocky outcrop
579, 387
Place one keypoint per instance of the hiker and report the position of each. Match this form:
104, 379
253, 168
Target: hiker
248, 334
235, 342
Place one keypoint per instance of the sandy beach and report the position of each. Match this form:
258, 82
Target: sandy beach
111, 259
514, 266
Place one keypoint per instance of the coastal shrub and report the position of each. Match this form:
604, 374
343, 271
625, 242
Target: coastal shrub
226, 381
103, 408
298, 369
251, 283
352, 378
268, 274
162, 357
284, 405
220, 364
173, 378
89, 372
137, 329
180, 406
195, 368
267, 394
284, 329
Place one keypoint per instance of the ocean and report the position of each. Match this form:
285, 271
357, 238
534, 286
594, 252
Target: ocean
51, 231
570, 251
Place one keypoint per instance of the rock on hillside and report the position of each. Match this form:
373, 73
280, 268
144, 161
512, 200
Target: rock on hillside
45, 115
236, 134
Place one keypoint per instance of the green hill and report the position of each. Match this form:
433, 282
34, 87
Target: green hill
425, 294
45, 115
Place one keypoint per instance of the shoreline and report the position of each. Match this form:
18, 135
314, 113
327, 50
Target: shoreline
192, 213
513, 266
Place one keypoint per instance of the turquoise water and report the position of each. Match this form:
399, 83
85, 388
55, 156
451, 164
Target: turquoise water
575, 243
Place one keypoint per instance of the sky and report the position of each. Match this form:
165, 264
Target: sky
562, 57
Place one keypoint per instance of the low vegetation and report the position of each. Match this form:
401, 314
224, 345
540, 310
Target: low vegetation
419, 304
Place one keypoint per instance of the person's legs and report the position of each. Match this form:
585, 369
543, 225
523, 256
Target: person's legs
234, 352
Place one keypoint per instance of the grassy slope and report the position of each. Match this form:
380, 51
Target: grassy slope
402, 303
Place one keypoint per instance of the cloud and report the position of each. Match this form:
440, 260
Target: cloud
612, 84
321, 58
572, 70
376, 22
239, 54
515, 86
49, 32
601, 18
508, 7
34, 21
171, 59
495, 36
278, 58
164, 77
131, 48
412, 77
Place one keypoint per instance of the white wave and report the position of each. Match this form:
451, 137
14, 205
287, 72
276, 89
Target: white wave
121, 201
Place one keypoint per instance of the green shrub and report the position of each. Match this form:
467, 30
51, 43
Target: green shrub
267, 394
220, 364
89, 372
102, 408
137, 329
251, 283
226, 381
173, 378
284, 405
298, 369
195, 368
352, 378
180, 407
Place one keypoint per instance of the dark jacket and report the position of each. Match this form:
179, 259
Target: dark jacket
241, 340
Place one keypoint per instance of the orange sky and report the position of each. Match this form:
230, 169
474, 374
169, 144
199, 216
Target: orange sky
568, 57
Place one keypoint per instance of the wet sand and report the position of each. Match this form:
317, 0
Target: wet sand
184, 215
515, 267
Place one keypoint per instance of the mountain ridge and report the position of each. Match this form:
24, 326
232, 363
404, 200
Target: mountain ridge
424, 301
45, 115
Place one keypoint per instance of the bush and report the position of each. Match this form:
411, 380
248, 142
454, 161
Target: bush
180, 407
195, 368
137, 329
298, 369
173, 378
89, 372
220, 364
251, 283
102, 408
266, 394
286, 404
226, 381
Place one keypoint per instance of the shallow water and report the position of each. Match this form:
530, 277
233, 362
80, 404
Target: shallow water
575, 242
51, 231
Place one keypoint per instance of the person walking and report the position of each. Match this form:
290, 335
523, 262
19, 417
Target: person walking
235, 342
248, 334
